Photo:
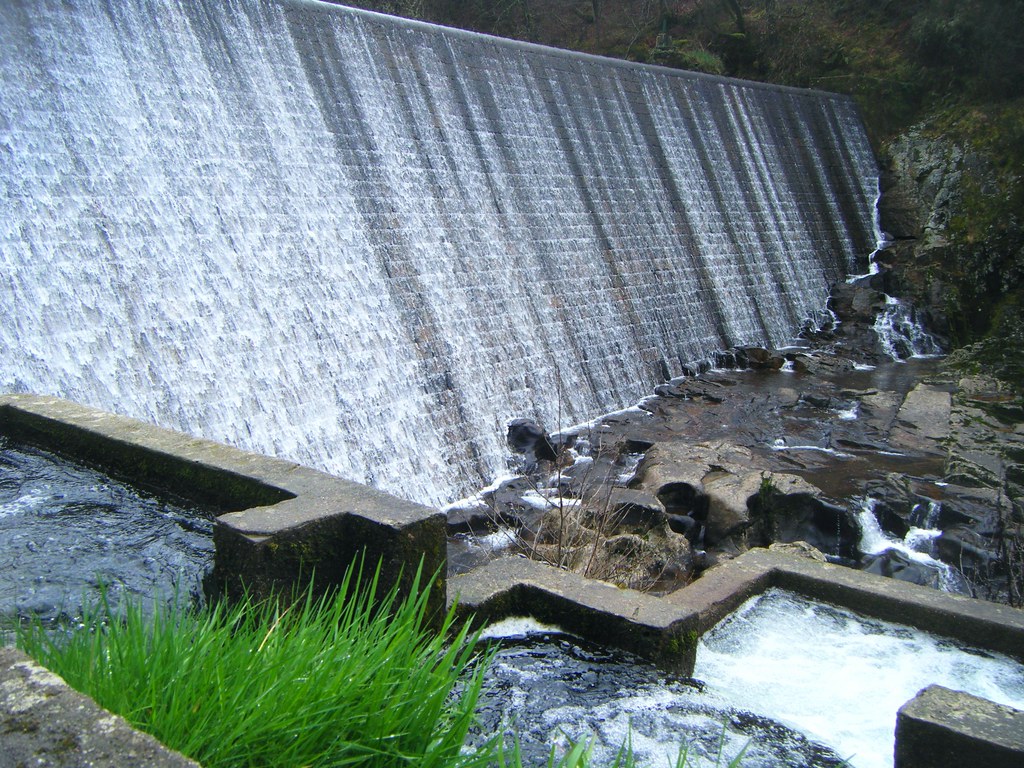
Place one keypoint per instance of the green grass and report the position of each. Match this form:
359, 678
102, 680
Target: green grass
332, 681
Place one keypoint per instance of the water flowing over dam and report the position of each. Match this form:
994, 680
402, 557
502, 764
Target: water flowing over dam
365, 244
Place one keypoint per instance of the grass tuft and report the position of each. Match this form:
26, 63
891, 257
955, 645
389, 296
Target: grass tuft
339, 680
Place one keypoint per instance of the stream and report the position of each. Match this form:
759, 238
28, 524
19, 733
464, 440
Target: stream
785, 680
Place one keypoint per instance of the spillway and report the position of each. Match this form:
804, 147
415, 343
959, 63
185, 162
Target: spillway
365, 244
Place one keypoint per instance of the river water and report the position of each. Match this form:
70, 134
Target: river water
791, 681
68, 531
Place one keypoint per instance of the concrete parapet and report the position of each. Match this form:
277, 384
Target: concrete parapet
666, 629
623, 618
43, 722
281, 524
940, 728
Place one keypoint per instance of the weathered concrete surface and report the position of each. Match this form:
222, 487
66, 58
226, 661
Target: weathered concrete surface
666, 629
622, 618
43, 722
283, 524
940, 728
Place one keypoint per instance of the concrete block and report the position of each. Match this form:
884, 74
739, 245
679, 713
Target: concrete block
45, 723
940, 728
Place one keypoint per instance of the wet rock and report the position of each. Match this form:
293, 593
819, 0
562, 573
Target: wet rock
857, 302
713, 484
527, 437
729, 495
727, 359
803, 516
719, 433
816, 400
799, 549
685, 526
670, 390
894, 523
818, 365
970, 551
755, 357
469, 515
898, 565
760, 358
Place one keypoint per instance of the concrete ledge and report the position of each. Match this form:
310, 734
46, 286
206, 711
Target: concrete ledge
43, 722
281, 525
666, 629
622, 618
980, 623
940, 728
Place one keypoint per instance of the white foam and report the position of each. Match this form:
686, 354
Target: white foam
838, 677
518, 626
848, 414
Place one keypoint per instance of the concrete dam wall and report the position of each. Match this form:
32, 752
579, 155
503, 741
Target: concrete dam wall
365, 244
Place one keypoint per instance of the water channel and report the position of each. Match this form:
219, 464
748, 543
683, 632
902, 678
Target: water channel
785, 680
67, 532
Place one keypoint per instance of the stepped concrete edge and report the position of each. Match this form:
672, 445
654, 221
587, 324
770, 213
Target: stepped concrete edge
306, 521
665, 630
279, 522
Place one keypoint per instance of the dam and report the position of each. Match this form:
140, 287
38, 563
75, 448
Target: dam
365, 244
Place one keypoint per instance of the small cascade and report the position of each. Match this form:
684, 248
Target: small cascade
912, 557
901, 333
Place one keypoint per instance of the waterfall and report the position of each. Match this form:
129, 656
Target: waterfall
365, 244
901, 333
915, 548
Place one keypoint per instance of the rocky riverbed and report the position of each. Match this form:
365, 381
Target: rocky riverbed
832, 447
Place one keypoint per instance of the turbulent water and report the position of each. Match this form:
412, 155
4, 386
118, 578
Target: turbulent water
551, 690
837, 677
365, 244
794, 681
68, 532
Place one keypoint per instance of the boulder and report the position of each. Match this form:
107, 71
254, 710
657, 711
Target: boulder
799, 549
857, 302
790, 512
761, 358
922, 421
713, 484
528, 438
729, 495
898, 565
